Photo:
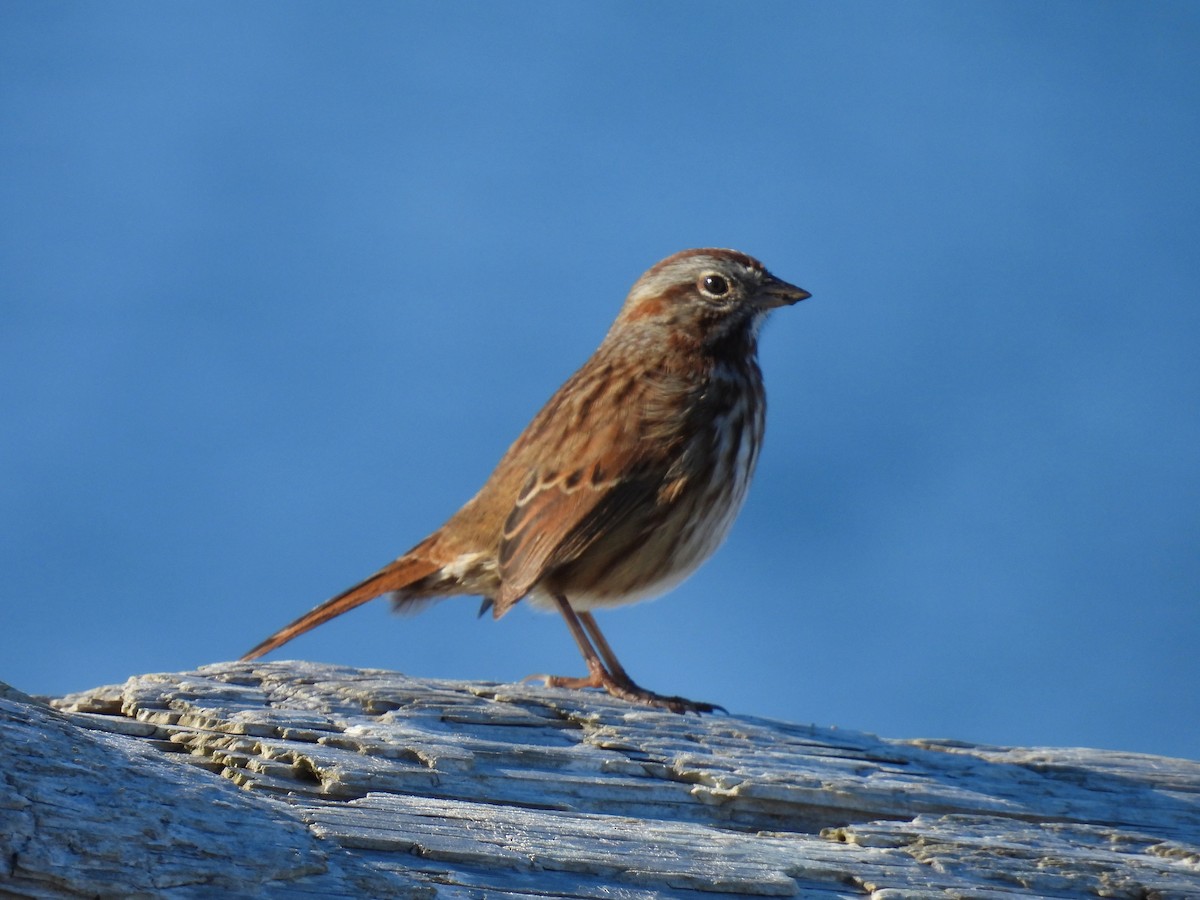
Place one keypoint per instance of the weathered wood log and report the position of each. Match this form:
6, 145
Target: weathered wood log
293, 779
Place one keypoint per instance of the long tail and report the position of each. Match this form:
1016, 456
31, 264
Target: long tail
393, 577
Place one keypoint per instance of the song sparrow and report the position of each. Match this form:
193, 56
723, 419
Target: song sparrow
628, 478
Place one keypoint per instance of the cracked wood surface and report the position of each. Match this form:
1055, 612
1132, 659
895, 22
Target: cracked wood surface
303, 780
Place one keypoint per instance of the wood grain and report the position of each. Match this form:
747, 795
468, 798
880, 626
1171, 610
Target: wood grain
296, 779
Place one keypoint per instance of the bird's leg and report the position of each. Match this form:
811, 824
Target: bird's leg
598, 676
601, 644
613, 679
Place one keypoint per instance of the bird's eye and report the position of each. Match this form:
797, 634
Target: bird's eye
714, 285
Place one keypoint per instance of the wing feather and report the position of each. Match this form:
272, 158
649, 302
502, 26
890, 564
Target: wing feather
619, 455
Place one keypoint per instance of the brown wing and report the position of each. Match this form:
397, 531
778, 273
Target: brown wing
591, 464
554, 522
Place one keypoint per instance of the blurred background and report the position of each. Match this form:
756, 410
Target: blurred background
280, 282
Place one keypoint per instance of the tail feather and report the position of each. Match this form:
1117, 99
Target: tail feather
398, 575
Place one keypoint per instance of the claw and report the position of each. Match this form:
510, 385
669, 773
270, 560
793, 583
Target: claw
626, 690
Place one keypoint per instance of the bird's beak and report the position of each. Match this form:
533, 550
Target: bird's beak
773, 292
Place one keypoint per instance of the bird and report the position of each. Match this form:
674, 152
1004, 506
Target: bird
627, 479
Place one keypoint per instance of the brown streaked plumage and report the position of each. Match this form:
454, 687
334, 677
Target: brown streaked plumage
625, 481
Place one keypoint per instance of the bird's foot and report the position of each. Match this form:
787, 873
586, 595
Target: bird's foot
626, 689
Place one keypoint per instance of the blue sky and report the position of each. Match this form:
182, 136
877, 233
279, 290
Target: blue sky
280, 283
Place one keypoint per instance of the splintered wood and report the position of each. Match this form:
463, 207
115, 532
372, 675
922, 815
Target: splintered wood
300, 780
